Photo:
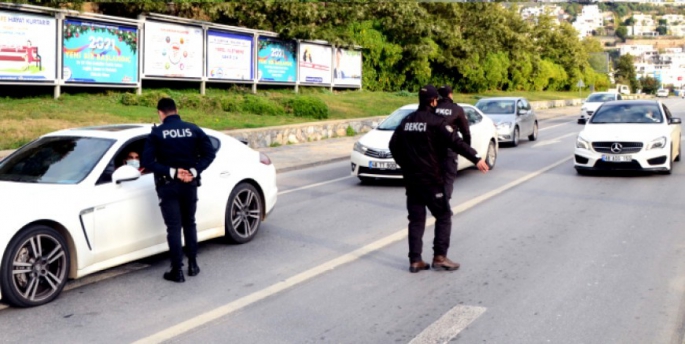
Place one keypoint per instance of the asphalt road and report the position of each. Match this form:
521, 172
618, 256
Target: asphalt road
547, 256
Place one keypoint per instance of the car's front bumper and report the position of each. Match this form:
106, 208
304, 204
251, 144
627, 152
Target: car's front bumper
645, 160
361, 167
505, 134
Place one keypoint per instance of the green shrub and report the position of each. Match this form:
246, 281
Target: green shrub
306, 106
129, 99
150, 99
404, 93
350, 131
190, 101
261, 106
231, 104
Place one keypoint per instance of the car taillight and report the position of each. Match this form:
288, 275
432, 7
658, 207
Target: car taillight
264, 159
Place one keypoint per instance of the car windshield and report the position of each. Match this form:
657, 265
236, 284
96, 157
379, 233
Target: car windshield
496, 107
54, 160
628, 113
394, 119
600, 98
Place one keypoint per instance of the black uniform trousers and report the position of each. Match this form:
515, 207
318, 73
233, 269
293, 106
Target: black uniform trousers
435, 199
178, 201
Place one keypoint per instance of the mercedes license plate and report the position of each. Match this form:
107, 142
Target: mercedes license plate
383, 165
617, 158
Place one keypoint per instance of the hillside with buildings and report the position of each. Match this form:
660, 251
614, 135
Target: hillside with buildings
652, 32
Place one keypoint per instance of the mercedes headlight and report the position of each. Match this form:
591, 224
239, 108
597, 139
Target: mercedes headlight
360, 147
504, 125
582, 143
658, 143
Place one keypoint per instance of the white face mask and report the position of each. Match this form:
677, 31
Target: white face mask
133, 163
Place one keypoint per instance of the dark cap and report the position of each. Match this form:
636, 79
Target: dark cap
428, 93
445, 91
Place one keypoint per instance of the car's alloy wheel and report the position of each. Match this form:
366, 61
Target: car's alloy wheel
515, 141
243, 213
35, 267
491, 157
534, 135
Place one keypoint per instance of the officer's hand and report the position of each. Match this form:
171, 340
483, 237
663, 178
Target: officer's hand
483, 166
184, 175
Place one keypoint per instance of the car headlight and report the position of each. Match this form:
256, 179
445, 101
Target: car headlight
504, 125
583, 109
582, 143
360, 147
658, 143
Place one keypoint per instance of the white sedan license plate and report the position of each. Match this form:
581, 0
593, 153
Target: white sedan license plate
617, 158
382, 165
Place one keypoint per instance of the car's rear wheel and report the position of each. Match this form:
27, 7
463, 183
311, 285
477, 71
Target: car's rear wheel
243, 213
517, 137
35, 267
491, 157
534, 135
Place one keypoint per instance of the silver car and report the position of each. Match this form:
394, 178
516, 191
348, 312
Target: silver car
513, 117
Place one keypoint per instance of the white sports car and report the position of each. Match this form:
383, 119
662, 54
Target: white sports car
371, 156
70, 208
629, 135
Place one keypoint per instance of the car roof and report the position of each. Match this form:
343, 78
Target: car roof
416, 105
501, 98
113, 131
633, 102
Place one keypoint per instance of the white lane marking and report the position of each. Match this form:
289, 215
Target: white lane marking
313, 185
449, 325
552, 141
554, 126
221, 311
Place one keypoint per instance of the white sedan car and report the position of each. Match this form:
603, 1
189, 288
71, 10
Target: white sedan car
662, 93
371, 156
593, 102
70, 208
629, 135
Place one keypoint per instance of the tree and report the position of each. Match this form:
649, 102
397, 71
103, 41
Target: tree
622, 33
625, 72
650, 85
662, 30
663, 22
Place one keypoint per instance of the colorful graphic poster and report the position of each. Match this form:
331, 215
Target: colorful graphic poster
315, 63
173, 50
276, 60
99, 53
229, 56
347, 67
28, 47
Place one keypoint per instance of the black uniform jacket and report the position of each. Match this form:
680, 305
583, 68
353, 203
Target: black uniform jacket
420, 143
177, 144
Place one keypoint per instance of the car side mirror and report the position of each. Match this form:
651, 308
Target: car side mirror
522, 112
675, 120
125, 174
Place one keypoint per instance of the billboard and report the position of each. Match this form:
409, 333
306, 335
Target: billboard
276, 60
99, 53
315, 63
347, 67
229, 56
28, 47
173, 50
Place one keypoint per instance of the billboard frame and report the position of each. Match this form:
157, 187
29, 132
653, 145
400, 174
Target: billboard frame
321, 43
237, 31
347, 86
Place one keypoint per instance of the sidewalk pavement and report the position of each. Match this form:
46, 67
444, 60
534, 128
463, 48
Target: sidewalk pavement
303, 155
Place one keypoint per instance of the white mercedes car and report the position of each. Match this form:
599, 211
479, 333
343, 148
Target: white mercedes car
371, 156
629, 135
71, 207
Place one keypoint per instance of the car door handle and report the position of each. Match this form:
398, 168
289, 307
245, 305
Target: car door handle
225, 174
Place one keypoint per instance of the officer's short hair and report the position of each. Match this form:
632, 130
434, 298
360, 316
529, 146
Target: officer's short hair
166, 105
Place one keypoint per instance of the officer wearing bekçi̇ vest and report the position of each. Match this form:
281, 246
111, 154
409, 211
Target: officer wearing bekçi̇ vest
455, 117
178, 152
419, 145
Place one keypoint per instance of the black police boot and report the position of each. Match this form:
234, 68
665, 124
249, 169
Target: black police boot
193, 269
175, 275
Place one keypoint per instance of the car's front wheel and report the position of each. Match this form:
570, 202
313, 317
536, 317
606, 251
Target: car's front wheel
35, 267
516, 138
491, 157
534, 135
243, 213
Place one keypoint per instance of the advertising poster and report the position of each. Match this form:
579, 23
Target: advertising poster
348, 67
99, 53
315, 63
173, 50
28, 47
229, 56
276, 60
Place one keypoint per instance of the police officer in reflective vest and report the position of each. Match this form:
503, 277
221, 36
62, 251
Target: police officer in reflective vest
455, 116
177, 152
419, 145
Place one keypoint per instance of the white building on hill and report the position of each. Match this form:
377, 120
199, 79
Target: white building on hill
588, 21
